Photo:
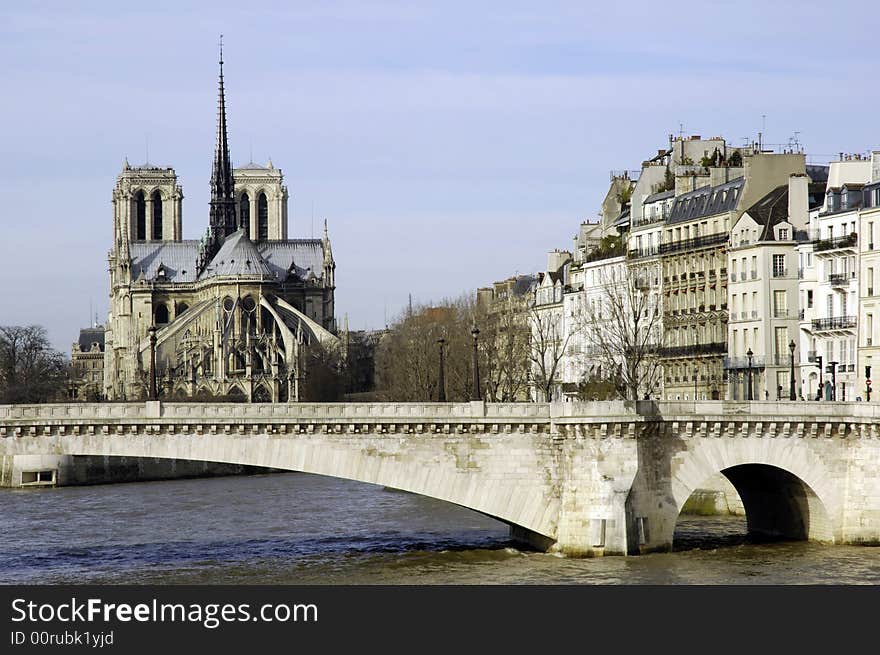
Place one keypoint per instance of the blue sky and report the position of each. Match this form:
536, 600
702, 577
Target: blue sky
447, 144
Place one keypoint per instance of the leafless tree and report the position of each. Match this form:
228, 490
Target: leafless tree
547, 344
407, 360
622, 331
504, 350
31, 371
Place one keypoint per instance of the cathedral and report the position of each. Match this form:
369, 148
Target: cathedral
227, 316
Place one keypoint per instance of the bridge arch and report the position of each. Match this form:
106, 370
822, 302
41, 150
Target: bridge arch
787, 492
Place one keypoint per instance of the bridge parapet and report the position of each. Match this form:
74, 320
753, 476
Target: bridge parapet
149, 409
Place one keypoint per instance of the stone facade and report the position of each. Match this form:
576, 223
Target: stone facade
226, 316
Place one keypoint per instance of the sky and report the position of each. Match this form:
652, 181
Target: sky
447, 144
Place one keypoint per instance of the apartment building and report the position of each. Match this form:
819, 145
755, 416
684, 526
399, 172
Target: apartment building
763, 294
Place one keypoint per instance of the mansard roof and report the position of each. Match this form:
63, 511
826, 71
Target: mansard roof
769, 211
706, 201
88, 336
660, 195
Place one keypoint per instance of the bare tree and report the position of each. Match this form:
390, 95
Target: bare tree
31, 371
548, 341
504, 350
407, 360
623, 333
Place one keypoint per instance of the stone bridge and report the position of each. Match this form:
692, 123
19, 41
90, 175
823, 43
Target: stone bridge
580, 478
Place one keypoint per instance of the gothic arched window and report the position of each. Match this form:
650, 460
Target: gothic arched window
244, 212
140, 216
157, 214
161, 314
262, 217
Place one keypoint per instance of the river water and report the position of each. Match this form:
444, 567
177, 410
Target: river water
294, 528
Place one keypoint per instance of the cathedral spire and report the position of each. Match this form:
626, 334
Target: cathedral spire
222, 215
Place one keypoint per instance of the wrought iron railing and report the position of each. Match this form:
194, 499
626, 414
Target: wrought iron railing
847, 241
692, 244
835, 323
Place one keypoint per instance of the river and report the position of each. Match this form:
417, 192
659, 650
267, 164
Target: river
294, 528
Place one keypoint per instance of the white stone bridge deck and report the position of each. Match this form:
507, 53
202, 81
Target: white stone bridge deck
583, 478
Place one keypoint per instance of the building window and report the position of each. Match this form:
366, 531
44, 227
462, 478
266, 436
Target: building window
783, 234
870, 281
869, 329
244, 212
140, 217
780, 306
157, 215
161, 314
262, 217
809, 298
778, 265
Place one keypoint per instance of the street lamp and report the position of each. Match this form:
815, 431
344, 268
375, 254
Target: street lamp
154, 394
441, 378
475, 392
791, 393
750, 354
833, 366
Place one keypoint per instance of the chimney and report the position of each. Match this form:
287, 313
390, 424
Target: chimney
556, 259
798, 212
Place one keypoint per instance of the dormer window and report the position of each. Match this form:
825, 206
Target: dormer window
783, 234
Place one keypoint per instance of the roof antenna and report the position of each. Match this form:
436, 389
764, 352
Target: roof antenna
148, 150
313, 219
252, 150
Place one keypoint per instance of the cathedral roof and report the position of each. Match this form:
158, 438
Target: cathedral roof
178, 258
279, 259
238, 256
301, 255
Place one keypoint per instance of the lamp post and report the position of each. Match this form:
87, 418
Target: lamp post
750, 354
441, 377
833, 366
475, 392
791, 393
154, 395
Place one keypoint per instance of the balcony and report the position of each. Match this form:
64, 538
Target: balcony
638, 253
780, 272
848, 241
812, 356
780, 313
838, 279
781, 360
736, 363
754, 275
693, 244
836, 323
718, 348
